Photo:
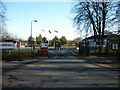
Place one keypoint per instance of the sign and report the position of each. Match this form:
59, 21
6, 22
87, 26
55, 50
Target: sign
6, 44
44, 44
44, 47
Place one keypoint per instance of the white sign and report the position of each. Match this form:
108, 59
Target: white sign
44, 44
6, 45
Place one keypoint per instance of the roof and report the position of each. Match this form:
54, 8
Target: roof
104, 36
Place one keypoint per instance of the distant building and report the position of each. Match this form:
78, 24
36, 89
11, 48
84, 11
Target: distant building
24, 43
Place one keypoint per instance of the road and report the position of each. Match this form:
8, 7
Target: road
61, 70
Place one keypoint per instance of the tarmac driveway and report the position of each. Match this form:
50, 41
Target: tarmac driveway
61, 70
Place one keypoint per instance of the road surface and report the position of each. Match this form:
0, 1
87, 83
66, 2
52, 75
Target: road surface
61, 70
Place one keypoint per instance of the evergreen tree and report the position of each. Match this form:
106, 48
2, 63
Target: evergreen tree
63, 40
31, 40
39, 39
44, 39
56, 38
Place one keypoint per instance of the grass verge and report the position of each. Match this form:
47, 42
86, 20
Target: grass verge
19, 55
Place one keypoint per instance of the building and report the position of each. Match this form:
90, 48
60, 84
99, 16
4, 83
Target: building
111, 41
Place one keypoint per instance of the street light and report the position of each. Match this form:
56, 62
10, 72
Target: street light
31, 32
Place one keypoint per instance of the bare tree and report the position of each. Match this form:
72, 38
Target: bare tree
3, 30
118, 16
98, 16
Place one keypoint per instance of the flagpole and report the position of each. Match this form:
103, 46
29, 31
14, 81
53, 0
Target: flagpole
54, 40
55, 35
48, 40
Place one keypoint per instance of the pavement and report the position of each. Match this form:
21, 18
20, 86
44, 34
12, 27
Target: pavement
62, 69
103, 62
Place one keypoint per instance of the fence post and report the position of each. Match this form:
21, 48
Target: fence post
81, 48
87, 47
107, 44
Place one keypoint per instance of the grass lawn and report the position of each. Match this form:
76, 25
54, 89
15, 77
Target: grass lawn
111, 53
68, 46
13, 55
75, 51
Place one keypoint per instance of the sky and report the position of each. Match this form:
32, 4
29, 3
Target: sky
50, 16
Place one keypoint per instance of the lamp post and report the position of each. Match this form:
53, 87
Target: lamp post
31, 32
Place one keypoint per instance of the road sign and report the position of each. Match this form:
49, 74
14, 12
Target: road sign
44, 47
44, 44
6, 44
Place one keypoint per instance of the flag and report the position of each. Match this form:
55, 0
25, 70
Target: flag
55, 31
49, 31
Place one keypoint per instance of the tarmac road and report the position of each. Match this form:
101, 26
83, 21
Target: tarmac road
61, 70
